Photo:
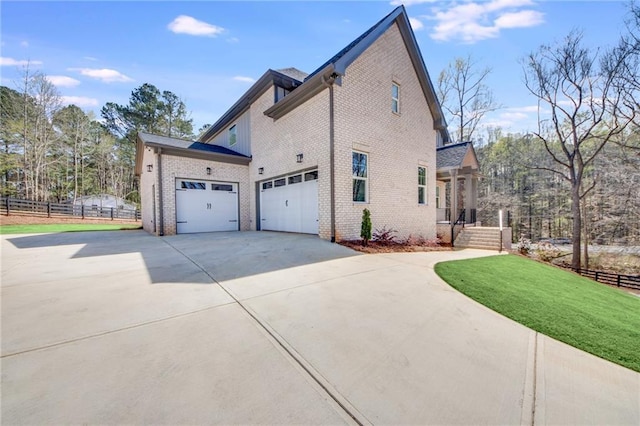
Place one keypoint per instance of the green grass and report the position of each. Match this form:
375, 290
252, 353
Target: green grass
598, 319
70, 227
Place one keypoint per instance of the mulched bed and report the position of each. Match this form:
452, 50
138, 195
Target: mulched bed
376, 247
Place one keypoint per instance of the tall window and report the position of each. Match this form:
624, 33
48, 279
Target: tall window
422, 185
437, 197
280, 92
359, 167
395, 98
232, 135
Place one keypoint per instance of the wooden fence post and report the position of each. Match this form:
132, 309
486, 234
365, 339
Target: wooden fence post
82, 210
8, 205
111, 213
49, 209
618, 280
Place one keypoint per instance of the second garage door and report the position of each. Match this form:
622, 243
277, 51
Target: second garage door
205, 206
290, 203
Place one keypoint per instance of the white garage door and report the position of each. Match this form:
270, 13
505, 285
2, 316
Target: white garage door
290, 203
205, 206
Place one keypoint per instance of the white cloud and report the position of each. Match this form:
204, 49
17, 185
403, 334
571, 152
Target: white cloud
63, 80
233, 40
104, 74
90, 58
474, 21
24, 43
80, 101
525, 109
244, 79
416, 24
522, 19
184, 24
8, 62
513, 116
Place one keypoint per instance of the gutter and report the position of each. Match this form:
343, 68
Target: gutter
332, 175
160, 194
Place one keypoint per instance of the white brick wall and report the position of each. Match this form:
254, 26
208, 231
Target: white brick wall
174, 167
396, 144
275, 145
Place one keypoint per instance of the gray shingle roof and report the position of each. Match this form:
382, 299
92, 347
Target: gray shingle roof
183, 144
451, 155
293, 73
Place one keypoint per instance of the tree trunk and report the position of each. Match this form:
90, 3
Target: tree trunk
577, 225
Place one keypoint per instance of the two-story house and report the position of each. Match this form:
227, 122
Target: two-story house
308, 152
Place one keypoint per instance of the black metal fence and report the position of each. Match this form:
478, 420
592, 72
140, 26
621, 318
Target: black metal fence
619, 280
42, 208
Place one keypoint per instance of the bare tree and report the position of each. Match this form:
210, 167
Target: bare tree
465, 96
586, 96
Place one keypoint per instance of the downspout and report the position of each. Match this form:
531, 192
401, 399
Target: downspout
332, 176
160, 197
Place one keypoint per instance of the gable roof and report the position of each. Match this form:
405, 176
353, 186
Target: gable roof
453, 156
184, 148
287, 78
337, 65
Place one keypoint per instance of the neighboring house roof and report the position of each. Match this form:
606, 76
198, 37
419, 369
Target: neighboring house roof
336, 67
454, 155
181, 147
286, 78
103, 200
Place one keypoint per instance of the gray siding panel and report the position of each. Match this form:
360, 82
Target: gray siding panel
243, 135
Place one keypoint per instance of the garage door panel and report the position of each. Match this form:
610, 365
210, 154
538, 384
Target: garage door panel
203, 206
290, 204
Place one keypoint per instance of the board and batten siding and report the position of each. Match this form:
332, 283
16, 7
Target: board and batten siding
243, 135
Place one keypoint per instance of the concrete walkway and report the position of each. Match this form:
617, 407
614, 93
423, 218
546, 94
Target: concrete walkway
238, 328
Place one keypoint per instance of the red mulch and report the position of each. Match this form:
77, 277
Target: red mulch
375, 247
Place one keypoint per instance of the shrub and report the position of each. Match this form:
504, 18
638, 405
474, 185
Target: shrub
524, 246
385, 236
365, 227
547, 252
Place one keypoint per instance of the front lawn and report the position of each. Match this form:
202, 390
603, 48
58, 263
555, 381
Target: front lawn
64, 227
598, 319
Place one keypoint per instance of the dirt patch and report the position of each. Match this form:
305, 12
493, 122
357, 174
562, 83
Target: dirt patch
19, 219
376, 247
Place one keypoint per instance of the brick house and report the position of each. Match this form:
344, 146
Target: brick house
308, 152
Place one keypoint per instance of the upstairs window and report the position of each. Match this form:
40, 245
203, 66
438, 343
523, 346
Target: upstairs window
280, 93
232, 135
395, 98
437, 197
359, 167
422, 185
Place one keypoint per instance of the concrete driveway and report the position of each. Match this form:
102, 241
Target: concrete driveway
255, 328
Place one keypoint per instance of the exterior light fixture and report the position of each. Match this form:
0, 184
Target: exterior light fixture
149, 168
208, 170
261, 170
299, 158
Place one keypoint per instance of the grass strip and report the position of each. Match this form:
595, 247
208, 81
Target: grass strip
601, 320
63, 227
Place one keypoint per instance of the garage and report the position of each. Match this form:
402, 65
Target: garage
206, 206
290, 203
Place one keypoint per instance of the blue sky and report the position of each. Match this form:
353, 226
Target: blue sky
209, 53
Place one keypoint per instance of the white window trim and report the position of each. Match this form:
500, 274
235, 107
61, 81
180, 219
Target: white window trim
437, 197
397, 100
365, 179
233, 130
423, 186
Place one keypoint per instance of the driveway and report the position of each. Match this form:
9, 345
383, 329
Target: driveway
260, 327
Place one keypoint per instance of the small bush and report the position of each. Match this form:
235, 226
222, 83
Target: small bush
524, 246
547, 252
385, 236
365, 227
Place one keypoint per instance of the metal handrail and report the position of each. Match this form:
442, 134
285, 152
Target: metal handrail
460, 219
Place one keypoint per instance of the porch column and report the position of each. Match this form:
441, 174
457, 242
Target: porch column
469, 195
454, 196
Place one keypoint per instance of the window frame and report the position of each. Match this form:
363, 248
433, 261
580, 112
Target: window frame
364, 178
395, 100
233, 135
422, 186
437, 197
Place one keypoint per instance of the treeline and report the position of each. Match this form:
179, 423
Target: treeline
539, 201
52, 152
